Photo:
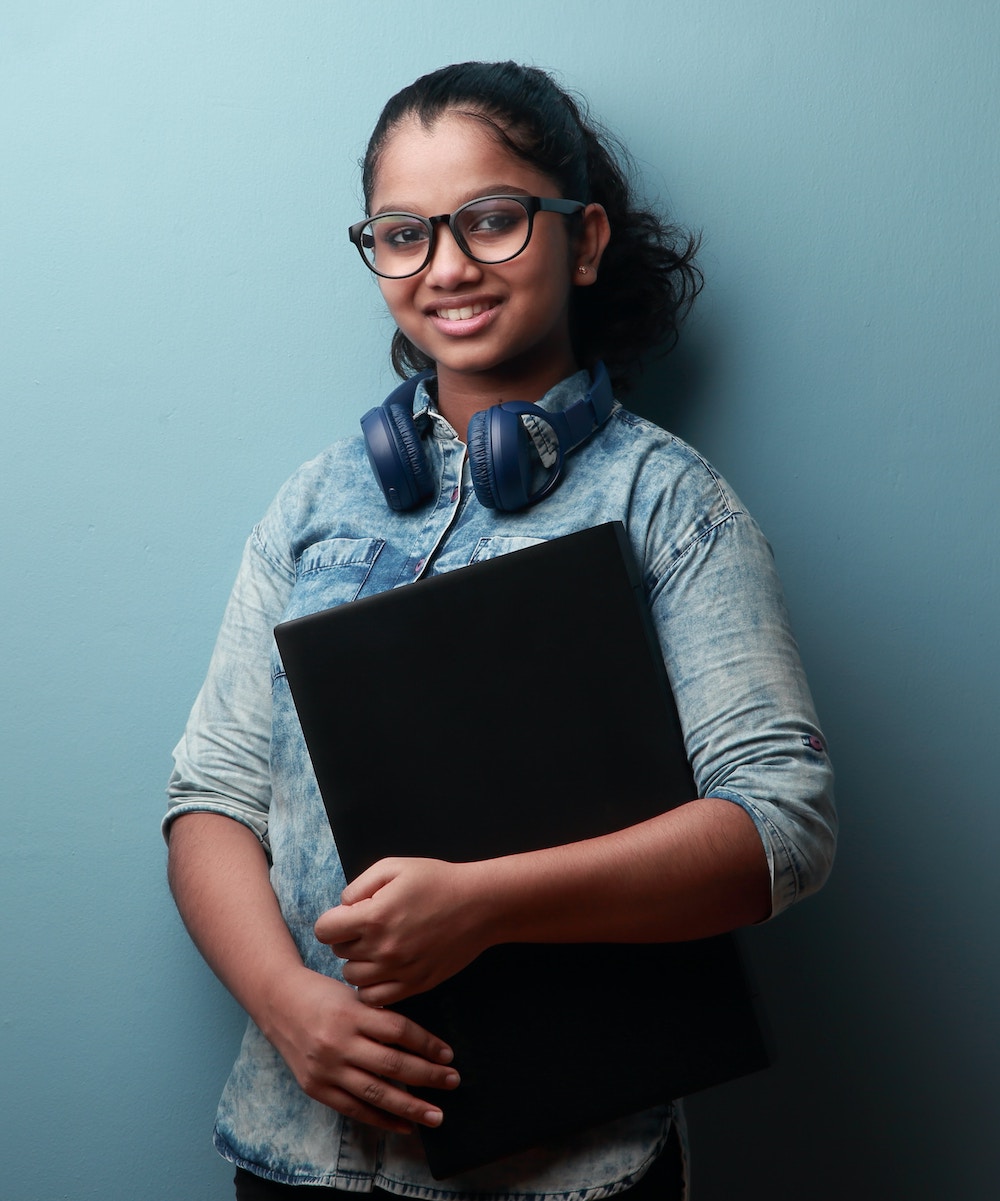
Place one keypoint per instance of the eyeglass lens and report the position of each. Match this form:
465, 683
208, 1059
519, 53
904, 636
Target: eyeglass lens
490, 230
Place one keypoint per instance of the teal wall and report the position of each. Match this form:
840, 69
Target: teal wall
183, 321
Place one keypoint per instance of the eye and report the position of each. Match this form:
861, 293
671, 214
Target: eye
493, 220
496, 222
398, 235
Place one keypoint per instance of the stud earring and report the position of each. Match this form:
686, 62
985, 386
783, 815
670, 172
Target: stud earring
582, 270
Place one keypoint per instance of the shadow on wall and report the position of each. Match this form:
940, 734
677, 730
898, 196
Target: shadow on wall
673, 387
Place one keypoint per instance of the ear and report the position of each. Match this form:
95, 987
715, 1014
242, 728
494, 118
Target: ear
595, 233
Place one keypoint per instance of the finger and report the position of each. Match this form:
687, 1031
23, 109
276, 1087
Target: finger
375, 986
385, 993
388, 1068
338, 925
369, 882
363, 973
359, 1109
374, 1096
393, 1031
382, 1096
370, 1085
376, 989
381, 992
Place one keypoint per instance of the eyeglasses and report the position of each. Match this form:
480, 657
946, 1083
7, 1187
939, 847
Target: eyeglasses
492, 229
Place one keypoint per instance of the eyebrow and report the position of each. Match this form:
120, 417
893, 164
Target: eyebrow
498, 189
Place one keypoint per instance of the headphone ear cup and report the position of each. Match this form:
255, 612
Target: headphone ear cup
397, 457
413, 451
499, 459
481, 459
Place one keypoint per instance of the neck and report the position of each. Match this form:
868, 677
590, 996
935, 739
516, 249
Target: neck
462, 394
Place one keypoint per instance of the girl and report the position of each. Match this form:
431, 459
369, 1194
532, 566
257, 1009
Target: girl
512, 257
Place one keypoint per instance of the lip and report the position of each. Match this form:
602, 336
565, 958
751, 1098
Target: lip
459, 326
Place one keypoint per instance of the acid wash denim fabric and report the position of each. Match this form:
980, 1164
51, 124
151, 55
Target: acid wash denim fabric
748, 719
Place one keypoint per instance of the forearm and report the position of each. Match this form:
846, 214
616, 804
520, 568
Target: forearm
343, 1054
218, 875
696, 871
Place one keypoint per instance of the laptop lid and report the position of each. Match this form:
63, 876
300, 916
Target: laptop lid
542, 672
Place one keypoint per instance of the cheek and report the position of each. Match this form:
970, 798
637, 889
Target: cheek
551, 275
394, 295
551, 290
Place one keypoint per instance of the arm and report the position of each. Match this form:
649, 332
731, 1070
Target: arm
696, 871
342, 1052
690, 873
761, 836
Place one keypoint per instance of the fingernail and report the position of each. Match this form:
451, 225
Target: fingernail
453, 1078
433, 1117
446, 1055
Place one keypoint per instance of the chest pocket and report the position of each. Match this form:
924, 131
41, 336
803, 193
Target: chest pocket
465, 552
331, 573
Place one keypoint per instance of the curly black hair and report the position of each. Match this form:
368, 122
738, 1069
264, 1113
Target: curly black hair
648, 278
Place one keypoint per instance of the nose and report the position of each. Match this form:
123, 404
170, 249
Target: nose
449, 263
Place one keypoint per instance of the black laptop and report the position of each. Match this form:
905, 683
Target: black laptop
514, 704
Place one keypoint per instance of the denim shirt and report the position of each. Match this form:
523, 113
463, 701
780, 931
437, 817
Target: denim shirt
750, 731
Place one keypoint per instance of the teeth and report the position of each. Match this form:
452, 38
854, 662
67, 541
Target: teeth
462, 314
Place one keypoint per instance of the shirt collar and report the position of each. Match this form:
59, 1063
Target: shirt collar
558, 398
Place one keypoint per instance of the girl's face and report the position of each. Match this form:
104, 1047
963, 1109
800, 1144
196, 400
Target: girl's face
503, 325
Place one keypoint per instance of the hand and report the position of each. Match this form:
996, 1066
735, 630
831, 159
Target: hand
354, 1058
405, 925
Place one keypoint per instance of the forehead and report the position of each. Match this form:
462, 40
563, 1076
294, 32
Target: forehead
433, 168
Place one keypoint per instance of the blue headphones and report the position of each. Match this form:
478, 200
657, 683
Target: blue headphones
502, 455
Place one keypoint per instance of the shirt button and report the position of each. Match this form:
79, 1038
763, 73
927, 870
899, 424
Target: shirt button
418, 568
454, 494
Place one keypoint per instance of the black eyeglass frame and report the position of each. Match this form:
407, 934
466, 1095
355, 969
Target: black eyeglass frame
531, 205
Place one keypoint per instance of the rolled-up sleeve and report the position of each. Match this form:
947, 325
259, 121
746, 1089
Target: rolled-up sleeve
749, 722
222, 762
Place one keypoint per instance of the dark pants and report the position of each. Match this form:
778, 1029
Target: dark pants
663, 1182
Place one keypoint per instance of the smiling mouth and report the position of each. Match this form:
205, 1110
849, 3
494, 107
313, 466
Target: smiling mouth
464, 313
